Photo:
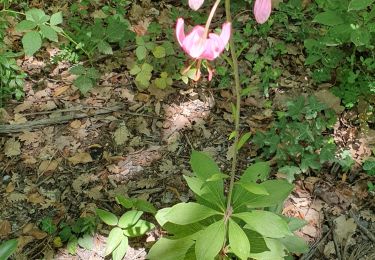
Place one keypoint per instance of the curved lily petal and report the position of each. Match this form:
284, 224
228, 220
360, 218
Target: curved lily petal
215, 44
180, 31
195, 4
194, 43
262, 10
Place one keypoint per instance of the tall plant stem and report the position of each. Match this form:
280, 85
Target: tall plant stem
237, 93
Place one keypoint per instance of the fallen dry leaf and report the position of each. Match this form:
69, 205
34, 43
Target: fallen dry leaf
80, 158
27, 228
344, 228
60, 90
29, 137
23, 241
10, 187
5, 228
75, 124
48, 166
37, 233
36, 198
12, 147
121, 135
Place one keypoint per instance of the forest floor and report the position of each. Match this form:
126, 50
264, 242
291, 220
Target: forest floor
62, 155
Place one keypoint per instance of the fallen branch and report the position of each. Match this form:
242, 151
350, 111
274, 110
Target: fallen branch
29, 126
364, 230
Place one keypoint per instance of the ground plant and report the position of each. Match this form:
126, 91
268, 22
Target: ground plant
166, 69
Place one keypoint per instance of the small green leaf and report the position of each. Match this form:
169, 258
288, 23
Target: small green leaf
187, 213
7, 248
72, 245
159, 52
210, 241
87, 241
139, 229
243, 140
144, 205
217, 177
141, 52
35, 15
48, 33
238, 241
356, 5
78, 70
107, 217
120, 251
265, 223
289, 172
25, 25
253, 187
114, 239
125, 202
31, 42
129, 218
83, 83
105, 48
329, 18
59, 30
56, 18
232, 135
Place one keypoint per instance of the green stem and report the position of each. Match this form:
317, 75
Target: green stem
237, 93
11, 11
213, 10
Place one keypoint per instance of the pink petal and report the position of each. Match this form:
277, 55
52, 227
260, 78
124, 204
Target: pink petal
215, 44
180, 31
195, 4
194, 43
262, 10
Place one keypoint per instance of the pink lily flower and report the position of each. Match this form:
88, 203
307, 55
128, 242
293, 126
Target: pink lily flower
262, 10
200, 47
195, 4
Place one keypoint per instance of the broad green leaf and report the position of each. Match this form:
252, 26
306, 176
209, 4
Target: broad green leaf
253, 187
107, 217
129, 218
181, 231
159, 52
295, 244
31, 42
83, 83
141, 52
210, 241
25, 25
243, 140
56, 18
125, 202
86, 241
114, 239
295, 223
72, 245
359, 4
257, 243
238, 241
120, 251
278, 190
187, 213
204, 167
170, 249
256, 171
203, 193
276, 251
49, 33
265, 223
59, 30
217, 177
329, 18
7, 248
139, 229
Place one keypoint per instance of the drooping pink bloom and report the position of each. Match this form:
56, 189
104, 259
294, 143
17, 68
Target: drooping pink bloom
197, 46
201, 47
262, 10
195, 4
